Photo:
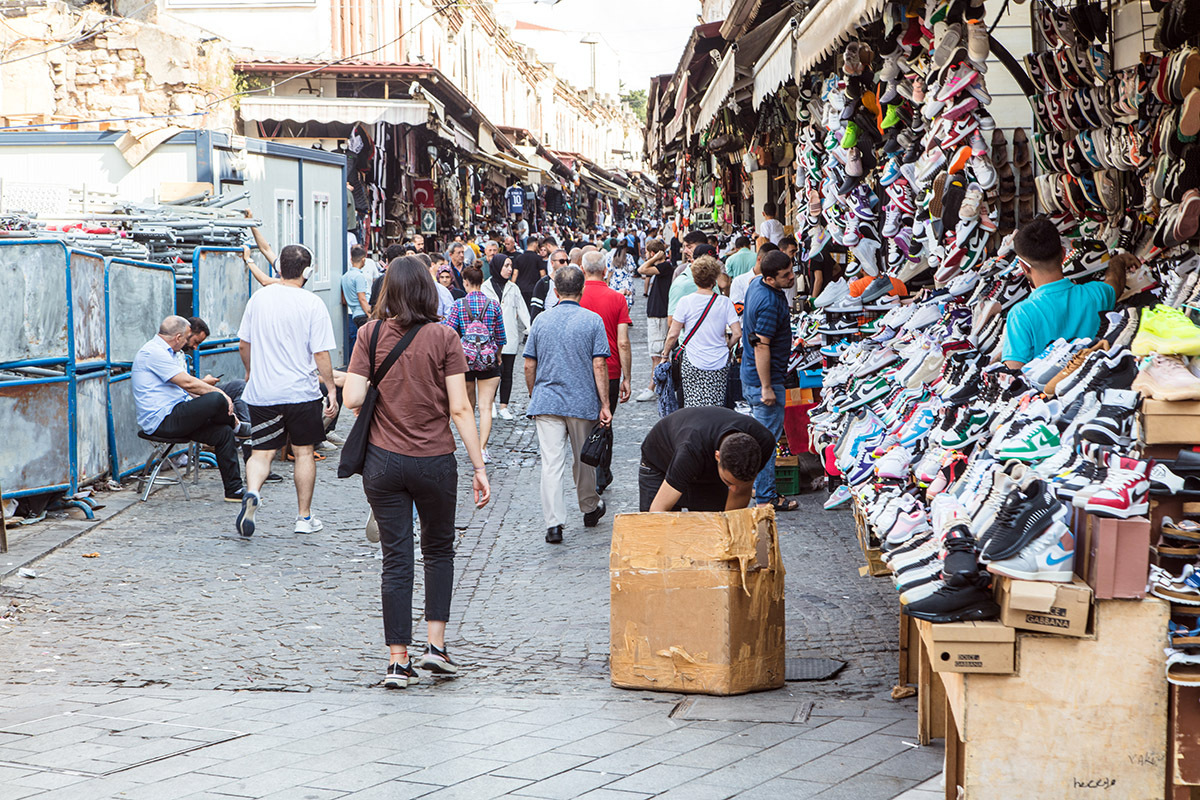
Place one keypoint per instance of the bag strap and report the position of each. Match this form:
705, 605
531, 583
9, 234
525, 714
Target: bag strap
699, 322
400, 347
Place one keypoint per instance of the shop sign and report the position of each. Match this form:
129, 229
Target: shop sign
516, 200
428, 221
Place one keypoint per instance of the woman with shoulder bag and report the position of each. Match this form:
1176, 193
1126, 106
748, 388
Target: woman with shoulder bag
480, 325
703, 317
410, 456
505, 293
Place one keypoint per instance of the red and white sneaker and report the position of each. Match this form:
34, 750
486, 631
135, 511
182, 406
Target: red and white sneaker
1125, 493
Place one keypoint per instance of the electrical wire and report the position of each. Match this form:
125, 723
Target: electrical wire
82, 37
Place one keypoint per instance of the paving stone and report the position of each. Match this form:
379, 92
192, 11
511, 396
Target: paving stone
876, 746
609, 794
844, 730
359, 776
867, 787
448, 773
918, 763
496, 733
481, 787
542, 766
568, 785
713, 756
270, 781
831, 768
178, 786
779, 788
631, 760
659, 778
603, 744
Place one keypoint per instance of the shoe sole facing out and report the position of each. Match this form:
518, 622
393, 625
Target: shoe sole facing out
245, 517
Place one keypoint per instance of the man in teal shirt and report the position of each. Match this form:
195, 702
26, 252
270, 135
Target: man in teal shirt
1057, 307
741, 260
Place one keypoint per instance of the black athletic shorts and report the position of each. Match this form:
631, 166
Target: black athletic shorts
273, 426
482, 374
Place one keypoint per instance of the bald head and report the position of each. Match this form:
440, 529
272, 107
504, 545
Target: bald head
173, 326
593, 264
576, 256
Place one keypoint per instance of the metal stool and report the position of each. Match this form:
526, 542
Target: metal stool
160, 455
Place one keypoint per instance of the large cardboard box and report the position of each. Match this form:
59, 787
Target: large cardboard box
973, 647
1165, 422
1062, 608
1113, 556
697, 602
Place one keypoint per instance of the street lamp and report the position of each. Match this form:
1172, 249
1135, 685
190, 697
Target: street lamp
592, 40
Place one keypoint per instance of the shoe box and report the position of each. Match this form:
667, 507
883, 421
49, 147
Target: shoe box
697, 602
1166, 422
970, 647
1059, 608
1113, 556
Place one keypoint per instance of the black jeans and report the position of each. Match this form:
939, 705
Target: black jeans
699, 497
234, 389
393, 483
206, 419
506, 370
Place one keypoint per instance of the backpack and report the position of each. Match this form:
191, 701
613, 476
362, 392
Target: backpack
478, 345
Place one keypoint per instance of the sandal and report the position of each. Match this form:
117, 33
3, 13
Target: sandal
1183, 669
1186, 529
1182, 636
781, 503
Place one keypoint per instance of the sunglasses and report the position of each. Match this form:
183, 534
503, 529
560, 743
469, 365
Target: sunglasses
559, 260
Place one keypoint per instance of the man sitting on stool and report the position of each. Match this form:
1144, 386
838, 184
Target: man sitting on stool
173, 404
703, 458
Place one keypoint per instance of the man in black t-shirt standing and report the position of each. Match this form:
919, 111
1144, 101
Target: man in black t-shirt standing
703, 458
657, 267
529, 268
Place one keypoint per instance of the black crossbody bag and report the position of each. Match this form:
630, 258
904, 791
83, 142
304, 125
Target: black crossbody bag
354, 451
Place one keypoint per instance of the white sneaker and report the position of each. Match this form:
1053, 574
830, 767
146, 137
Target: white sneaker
487, 459
504, 413
646, 396
309, 524
327, 446
334, 438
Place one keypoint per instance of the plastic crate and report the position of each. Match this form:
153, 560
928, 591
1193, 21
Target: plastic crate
787, 480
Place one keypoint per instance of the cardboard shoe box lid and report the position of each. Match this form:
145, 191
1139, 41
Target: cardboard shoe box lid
1059, 608
978, 647
1167, 422
1170, 407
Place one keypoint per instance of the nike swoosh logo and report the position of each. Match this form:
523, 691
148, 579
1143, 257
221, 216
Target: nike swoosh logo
1052, 560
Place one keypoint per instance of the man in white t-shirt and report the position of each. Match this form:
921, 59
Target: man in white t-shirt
286, 336
737, 289
770, 228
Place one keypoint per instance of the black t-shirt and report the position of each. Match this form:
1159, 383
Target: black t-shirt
660, 290
529, 266
681, 445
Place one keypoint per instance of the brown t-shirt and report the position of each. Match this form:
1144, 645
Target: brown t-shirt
412, 415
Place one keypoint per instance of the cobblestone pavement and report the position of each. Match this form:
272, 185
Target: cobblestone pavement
177, 612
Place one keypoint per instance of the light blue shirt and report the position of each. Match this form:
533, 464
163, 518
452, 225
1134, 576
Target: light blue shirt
563, 341
445, 300
1053, 310
153, 393
353, 282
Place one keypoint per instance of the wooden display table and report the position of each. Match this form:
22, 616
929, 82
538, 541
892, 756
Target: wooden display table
1082, 718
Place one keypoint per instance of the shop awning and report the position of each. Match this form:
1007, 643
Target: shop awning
346, 111
825, 28
718, 91
676, 124
775, 68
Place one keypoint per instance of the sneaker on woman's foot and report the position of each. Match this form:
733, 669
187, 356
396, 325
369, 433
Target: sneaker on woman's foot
646, 396
309, 524
401, 676
438, 661
505, 413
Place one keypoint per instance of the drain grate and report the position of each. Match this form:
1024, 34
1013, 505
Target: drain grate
812, 669
91, 745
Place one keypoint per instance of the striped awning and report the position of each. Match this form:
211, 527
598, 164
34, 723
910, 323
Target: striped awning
774, 69
827, 26
717, 92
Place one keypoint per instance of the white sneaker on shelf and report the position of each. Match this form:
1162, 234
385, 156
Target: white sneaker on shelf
504, 413
309, 524
646, 396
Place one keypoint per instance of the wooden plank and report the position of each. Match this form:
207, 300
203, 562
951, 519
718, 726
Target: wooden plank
1185, 735
1105, 697
931, 700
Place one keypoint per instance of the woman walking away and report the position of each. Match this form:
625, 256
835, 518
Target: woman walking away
410, 458
702, 317
481, 326
620, 272
505, 293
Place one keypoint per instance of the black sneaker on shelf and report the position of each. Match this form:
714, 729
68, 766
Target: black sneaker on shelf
436, 660
963, 603
400, 676
1024, 515
1113, 423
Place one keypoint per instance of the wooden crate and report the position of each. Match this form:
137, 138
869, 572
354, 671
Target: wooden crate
873, 555
1183, 739
1083, 718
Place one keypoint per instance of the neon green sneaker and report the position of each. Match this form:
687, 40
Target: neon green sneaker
892, 117
1166, 330
850, 137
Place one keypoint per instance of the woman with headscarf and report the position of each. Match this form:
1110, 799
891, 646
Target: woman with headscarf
505, 293
445, 277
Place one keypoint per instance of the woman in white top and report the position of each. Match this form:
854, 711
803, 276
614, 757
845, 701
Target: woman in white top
703, 318
516, 320
620, 271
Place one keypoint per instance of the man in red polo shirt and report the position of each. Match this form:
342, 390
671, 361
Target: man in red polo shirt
612, 308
